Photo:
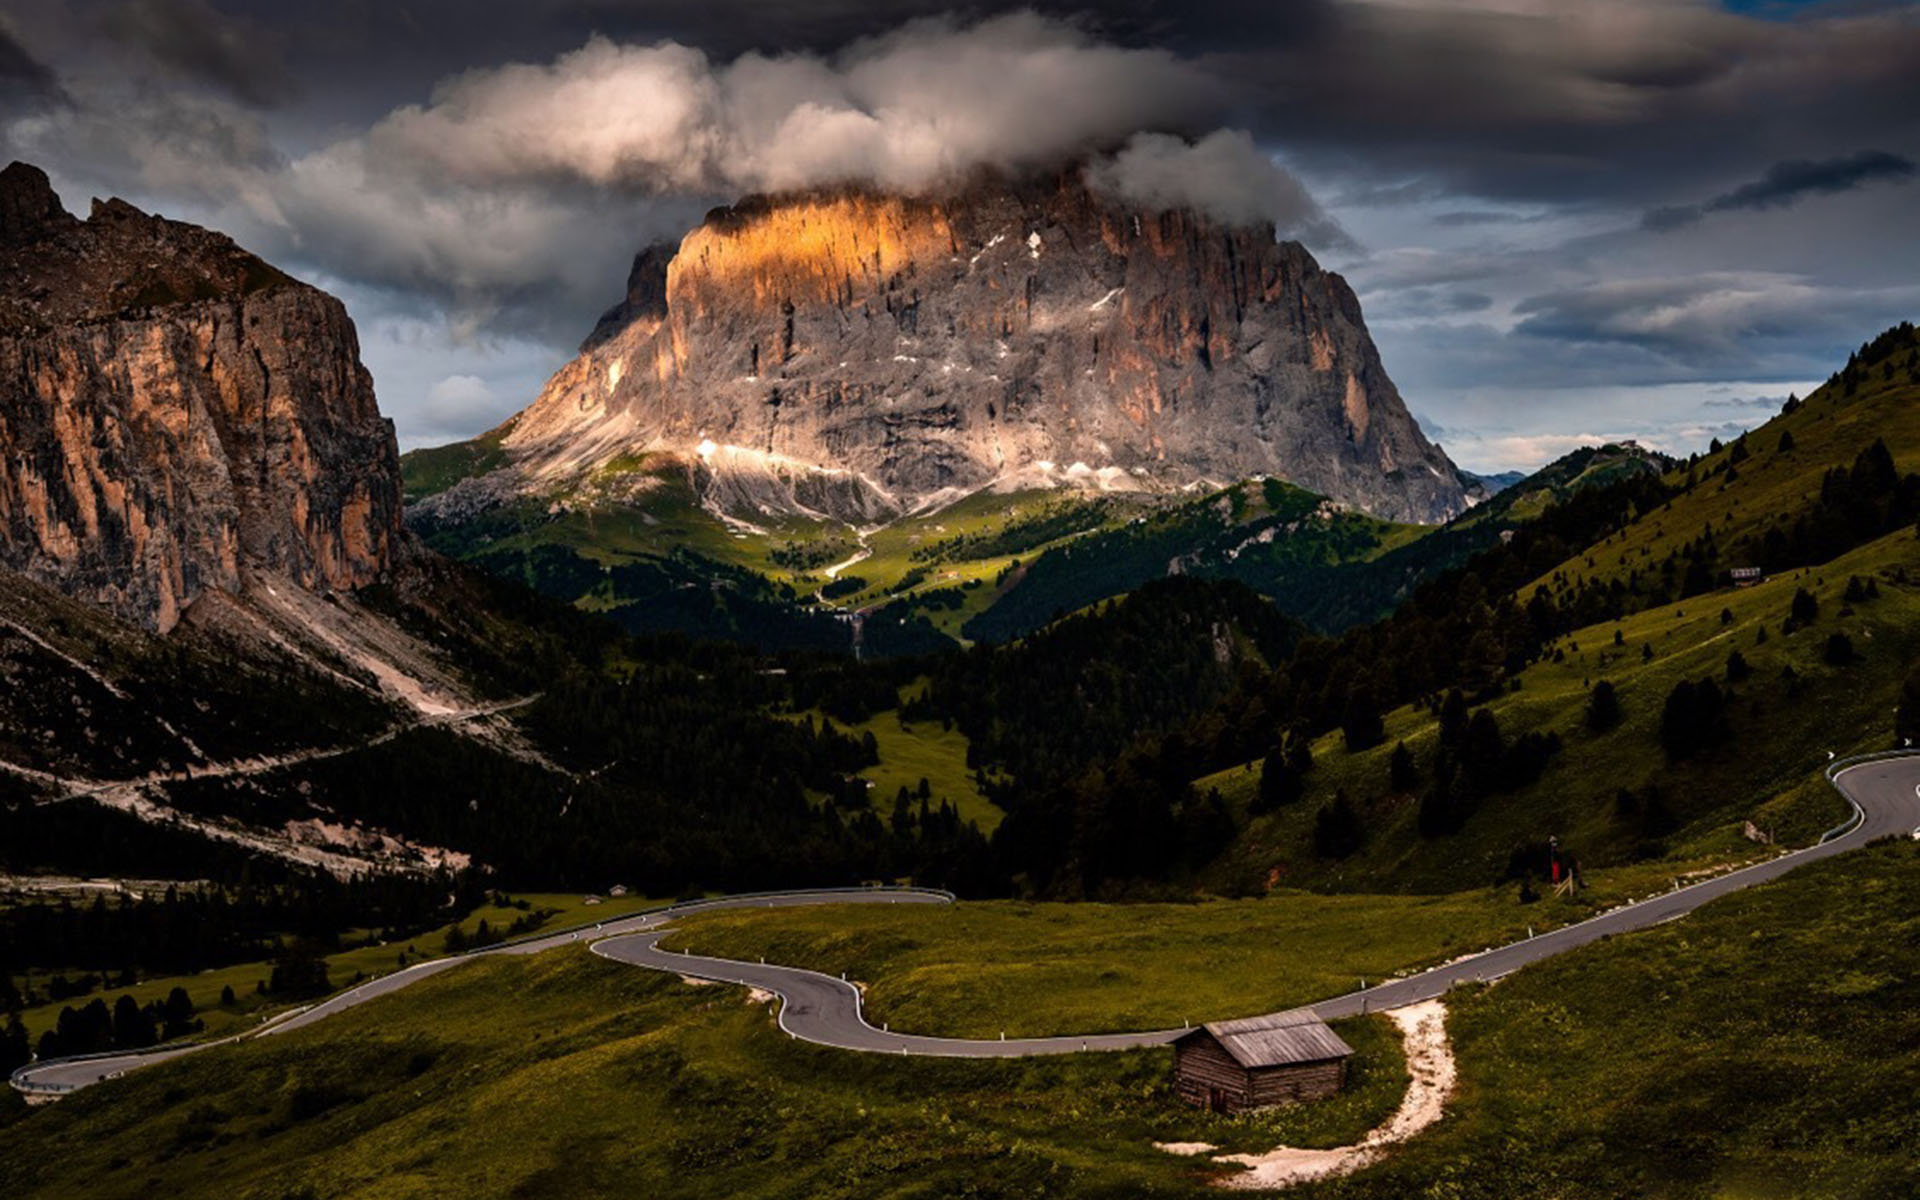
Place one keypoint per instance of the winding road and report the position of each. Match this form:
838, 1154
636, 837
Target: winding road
1884, 792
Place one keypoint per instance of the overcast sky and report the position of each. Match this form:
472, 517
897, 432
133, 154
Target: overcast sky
1567, 220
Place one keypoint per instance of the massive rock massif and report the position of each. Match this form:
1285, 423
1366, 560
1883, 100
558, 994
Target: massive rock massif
864, 354
174, 413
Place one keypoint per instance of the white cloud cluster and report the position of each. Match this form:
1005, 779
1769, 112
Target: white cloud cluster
503, 195
905, 110
1223, 174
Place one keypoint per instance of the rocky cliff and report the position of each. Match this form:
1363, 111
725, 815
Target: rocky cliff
175, 412
1007, 334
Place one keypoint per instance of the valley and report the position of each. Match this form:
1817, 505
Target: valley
971, 679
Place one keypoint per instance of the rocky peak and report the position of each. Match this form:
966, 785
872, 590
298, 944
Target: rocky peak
177, 414
646, 297
28, 205
1011, 331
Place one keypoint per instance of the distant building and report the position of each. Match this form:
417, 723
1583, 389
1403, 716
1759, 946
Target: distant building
1747, 576
617, 890
1235, 1066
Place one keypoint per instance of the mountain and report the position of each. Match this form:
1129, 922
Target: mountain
1495, 483
858, 355
1724, 694
179, 413
224, 659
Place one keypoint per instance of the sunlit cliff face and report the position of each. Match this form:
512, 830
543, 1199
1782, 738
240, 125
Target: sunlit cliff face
183, 414
942, 344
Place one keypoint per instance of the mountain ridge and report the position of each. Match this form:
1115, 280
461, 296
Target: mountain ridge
1008, 332
183, 413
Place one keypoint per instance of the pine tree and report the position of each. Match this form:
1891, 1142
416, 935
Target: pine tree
1279, 783
132, 1025
1603, 707
15, 1050
1805, 609
1361, 725
1336, 829
1403, 774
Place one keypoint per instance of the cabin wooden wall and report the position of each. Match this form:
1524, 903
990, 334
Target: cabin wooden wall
1200, 1065
1300, 1081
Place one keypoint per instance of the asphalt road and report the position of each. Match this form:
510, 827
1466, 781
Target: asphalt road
819, 1008
63, 1075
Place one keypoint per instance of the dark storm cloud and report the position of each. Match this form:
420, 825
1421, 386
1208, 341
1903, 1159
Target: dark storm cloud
1787, 182
192, 38
490, 165
729, 27
1699, 322
24, 79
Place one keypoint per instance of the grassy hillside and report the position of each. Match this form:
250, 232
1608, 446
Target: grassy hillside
915, 751
1587, 467
1767, 1046
1030, 970
1762, 482
1780, 729
557, 911
433, 470
1762, 1047
570, 1076
1261, 533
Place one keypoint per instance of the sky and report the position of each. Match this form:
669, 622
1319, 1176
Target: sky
1566, 221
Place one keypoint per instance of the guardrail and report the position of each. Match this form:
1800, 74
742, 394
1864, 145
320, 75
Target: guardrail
19, 1083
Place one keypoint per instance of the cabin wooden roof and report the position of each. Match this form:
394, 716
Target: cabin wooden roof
1277, 1039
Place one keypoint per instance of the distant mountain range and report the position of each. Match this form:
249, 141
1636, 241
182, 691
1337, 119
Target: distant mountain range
1497, 482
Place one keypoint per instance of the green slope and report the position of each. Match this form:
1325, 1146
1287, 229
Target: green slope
1779, 732
1764, 481
1765, 1047
1762, 1047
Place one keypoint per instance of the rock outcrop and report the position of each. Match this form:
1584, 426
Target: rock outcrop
175, 412
1010, 332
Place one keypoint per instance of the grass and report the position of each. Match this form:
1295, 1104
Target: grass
564, 1075
1828, 430
1766, 773
433, 470
250, 1007
1765, 1046
1030, 970
914, 751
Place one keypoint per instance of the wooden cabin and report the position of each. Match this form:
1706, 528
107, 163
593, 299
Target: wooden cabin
1236, 1066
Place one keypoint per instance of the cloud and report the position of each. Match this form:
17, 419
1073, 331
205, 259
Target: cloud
25, 81
512, 196
1786, 183
910, 109
1714, 317
1223, 174
194, 40
1746, 402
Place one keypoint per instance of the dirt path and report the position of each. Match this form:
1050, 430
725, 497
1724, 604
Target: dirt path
833, 572
1423, 1028
339, 849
